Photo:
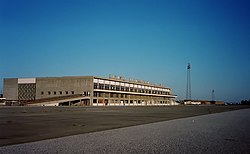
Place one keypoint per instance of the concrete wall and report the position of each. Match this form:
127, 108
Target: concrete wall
62, 86
10, 89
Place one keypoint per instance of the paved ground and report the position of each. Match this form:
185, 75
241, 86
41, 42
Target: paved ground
28, 124
226, 132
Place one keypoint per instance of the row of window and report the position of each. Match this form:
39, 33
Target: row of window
116, 95
58, 93
128, 89
126, 101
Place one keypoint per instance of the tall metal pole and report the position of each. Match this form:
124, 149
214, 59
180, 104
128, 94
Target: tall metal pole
188, 90
213, 95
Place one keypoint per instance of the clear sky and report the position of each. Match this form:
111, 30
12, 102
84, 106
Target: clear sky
151, 40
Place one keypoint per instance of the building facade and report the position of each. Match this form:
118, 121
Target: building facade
96, 91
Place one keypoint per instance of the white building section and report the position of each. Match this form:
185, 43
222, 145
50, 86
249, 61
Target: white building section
26, 80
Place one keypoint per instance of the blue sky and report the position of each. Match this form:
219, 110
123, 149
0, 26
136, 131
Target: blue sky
151, 40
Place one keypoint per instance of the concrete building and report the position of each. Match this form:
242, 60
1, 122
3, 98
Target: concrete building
86, 90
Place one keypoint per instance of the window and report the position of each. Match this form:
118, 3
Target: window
101, 86
60, 92
122, 88
94, 100
127, 89
42, 93
95, 85
54, 92
48, 92
66, 92
112, 87
106, 86
86, 93
117, 88
72, 92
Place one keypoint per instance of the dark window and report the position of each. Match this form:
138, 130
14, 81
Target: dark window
117, 88
42, 93
60, 92
122, 88
54, 92
95, 85
112, 87
127, 89
101, 86
106, 86
66, 92
94, 100
72, 92
49, 92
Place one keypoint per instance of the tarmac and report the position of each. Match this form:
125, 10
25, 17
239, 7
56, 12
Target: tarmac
227, 132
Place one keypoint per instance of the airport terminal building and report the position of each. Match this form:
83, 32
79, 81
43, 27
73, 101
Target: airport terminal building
86, 91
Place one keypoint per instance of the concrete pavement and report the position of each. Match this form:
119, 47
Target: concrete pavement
227, 132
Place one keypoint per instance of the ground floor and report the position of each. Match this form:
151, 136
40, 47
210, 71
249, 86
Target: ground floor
119, 99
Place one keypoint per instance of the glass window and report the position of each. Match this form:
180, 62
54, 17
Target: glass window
95, 85
66, 92
72, 92
117, 88
101, 86
54, 92
127, 89
42, 93
106, 86
122, 88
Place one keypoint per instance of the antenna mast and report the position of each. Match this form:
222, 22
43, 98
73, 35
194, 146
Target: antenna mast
213, 95
188, 90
